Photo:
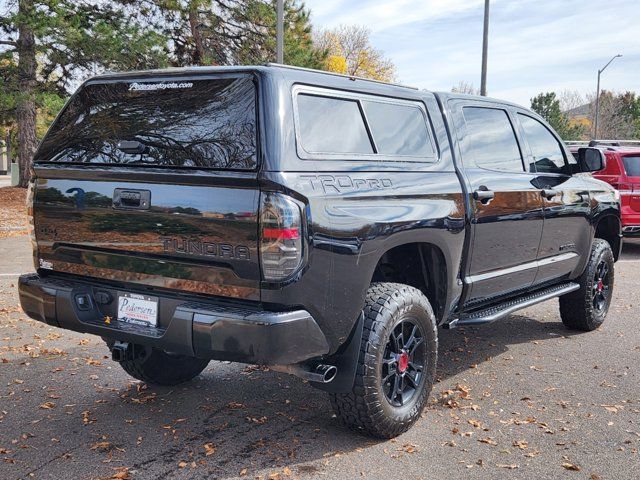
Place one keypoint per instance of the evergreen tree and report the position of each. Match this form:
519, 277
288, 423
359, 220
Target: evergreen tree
238, 32
48, 44
548, 107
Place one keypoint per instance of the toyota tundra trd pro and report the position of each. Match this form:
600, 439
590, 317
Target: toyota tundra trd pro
320, 224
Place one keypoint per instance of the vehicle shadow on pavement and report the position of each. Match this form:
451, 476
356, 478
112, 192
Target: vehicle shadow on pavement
467, 347
631, 248
231, 418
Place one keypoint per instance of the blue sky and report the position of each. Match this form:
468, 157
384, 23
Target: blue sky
534, 46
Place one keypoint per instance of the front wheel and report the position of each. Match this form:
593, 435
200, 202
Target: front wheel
397, 362
586, 308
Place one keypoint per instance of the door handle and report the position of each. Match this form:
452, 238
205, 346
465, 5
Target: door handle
131, 199
483, 196
549, 193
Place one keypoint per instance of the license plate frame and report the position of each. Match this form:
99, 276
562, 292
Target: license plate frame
138, 309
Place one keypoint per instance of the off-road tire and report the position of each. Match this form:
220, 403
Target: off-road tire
161, 368
366, 408
577, 308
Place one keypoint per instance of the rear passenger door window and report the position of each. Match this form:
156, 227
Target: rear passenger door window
548, 156
490, 139
372, 128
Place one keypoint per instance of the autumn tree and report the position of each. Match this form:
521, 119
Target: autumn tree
548, 107
570, 100
350, 52
619, 115
50, 44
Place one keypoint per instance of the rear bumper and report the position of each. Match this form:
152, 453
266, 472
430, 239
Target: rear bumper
630, 221
631, 230
202, 329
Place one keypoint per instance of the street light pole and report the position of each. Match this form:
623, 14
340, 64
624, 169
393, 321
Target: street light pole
280, 32
595, 129
485, 48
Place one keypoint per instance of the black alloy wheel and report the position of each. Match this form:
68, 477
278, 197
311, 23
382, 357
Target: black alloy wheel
601, 286
586, 308
403, 362
397, 363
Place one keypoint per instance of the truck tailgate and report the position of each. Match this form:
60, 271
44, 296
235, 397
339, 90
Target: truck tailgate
196, 238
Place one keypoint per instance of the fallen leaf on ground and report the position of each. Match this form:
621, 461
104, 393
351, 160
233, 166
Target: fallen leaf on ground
475, 423
488, 441
101, 446
409, 448
464, 390
521, 444
122, 474
610, 408
256, 420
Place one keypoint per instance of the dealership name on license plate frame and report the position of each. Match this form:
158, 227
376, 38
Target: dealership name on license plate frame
138, 309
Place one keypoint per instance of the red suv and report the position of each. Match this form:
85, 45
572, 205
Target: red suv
622, 171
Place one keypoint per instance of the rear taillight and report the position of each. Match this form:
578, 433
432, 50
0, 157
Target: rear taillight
280, 236
31, 227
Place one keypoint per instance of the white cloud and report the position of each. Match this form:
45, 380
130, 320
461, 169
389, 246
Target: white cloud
534, 46
384, 14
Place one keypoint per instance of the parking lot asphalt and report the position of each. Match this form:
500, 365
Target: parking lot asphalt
520, 398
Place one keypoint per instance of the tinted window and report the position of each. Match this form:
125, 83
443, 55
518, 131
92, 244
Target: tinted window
632, 165
546, 151
199, 123
398, 129
491, 140
332, 125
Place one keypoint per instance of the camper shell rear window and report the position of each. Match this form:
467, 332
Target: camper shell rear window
202, 123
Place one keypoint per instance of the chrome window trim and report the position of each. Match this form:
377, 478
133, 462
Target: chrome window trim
358, 98
561, 257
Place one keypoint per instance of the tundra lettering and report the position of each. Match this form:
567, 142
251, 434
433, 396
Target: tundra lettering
211, 249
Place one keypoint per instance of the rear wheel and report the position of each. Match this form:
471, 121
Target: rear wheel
397, 362
586, 308
163, 368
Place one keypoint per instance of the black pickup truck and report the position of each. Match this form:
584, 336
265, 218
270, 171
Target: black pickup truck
320, 224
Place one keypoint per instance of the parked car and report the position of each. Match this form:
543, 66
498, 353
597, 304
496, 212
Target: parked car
320, 224
622, 171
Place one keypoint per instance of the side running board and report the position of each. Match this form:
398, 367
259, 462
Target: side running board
491, 314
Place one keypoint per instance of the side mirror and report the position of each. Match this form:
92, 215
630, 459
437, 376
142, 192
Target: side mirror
591, 159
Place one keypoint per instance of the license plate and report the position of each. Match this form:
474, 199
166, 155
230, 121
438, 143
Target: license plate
138, 309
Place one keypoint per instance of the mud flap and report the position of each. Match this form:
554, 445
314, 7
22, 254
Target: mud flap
346, 361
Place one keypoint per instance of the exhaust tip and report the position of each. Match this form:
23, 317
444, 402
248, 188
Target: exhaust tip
328, 372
